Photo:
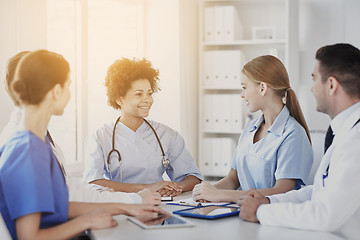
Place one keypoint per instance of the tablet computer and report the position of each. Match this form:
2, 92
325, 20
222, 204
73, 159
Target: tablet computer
161, 221
209, 212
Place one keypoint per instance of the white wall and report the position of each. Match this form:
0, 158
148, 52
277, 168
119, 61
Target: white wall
322, 22
162, 48
22, 27
172, 46
189, 36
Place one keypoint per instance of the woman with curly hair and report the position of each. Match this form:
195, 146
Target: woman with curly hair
132, 153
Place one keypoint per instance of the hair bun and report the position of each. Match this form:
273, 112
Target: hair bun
21, 89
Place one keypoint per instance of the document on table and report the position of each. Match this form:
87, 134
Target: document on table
191, 202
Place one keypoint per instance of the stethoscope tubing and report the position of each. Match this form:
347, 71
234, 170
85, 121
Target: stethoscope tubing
165, 162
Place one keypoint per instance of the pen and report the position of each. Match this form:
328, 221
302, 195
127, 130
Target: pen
189, 204
325, 174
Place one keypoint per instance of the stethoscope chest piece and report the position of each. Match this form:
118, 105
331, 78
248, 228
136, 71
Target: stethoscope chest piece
165, 162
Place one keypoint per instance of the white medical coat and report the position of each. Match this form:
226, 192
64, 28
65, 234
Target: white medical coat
140, 153
333, 203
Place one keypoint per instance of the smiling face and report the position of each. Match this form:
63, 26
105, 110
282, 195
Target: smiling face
251, 94
137, 100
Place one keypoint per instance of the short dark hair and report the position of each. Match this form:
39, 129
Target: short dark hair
123, 72
341, 61
37, 73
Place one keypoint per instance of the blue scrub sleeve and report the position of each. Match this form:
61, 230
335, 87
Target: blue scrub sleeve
295, 158
182, 163
27, 185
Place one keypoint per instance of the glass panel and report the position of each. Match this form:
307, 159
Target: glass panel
62, 27
114, 31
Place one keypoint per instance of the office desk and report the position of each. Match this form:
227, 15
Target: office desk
229, 228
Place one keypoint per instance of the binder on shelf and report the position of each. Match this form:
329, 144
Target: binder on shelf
222, 68
216, 114
226, 67
208, 76
232, 68
217, 68
237, 115
233, 29
206, 161
241, 60
227, 152
224, 112
216, 157
208, 120
218, 153
209, 24
222, 23
218, 23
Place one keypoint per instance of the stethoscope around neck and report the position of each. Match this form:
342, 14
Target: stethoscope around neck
165, 162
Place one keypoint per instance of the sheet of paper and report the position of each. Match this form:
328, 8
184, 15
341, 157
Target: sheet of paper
166, 198
191, 202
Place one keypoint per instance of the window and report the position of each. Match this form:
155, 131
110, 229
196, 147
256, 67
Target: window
115, 30
90, 34
63, 32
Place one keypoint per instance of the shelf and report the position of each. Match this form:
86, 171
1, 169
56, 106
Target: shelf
245, 43
222, 88
222, 131
242, 1
231, 33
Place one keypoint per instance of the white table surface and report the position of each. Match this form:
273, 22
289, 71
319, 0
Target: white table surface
229, 228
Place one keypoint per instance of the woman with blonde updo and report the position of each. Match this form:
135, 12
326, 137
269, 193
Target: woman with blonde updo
274, 153
33, 193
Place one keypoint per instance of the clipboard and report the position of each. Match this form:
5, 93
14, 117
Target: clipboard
209, 211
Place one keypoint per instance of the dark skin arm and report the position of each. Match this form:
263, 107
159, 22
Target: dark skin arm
187, 184
165, 188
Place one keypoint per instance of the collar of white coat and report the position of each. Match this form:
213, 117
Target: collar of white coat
278, 125
345, 120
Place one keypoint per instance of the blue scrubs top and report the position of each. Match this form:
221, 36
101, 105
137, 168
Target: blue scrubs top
31, 181
284, 153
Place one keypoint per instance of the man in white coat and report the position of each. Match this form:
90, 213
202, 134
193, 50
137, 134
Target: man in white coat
333, 202
79, 190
